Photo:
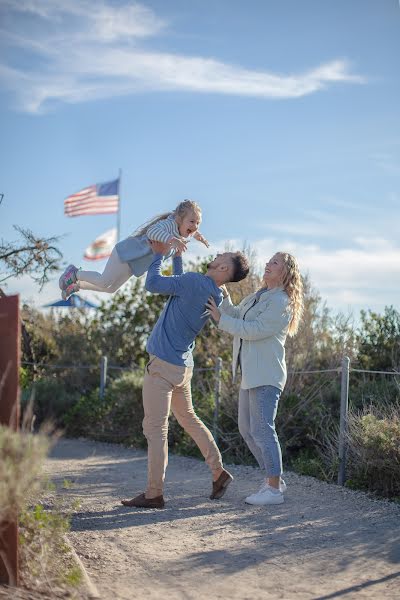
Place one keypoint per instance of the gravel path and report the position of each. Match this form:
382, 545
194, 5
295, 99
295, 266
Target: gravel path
323, 542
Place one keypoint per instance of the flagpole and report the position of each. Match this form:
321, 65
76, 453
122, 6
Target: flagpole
119, 206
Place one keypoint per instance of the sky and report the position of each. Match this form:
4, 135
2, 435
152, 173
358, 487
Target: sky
281, 119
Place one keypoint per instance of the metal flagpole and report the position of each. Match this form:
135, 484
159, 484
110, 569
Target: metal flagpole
119, 206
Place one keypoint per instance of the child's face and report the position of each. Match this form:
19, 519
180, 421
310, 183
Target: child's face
189, 224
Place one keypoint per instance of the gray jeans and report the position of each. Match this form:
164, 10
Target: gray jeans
257, 412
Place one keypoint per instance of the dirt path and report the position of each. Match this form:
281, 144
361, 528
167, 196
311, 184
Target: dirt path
324, 542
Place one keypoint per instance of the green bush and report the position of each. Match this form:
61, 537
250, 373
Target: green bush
51, 400
373, 457
116, 418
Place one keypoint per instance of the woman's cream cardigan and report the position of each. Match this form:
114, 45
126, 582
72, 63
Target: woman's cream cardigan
259, 328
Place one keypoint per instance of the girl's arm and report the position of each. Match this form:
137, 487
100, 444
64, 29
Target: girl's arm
200, 238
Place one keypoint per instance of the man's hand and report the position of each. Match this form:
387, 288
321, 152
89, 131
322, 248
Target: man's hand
200, 238
159, 247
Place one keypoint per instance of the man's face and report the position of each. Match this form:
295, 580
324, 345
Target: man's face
222, 262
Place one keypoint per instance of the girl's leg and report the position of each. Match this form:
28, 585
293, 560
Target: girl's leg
115, 274
263, 408
244, 426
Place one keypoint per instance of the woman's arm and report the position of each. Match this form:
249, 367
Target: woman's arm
227, 307
272, 321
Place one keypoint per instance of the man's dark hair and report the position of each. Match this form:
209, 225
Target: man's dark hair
240, 267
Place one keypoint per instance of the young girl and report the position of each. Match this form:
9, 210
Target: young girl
134, 255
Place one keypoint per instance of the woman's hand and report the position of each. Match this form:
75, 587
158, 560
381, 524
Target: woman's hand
224, 291
200, 238
213, 310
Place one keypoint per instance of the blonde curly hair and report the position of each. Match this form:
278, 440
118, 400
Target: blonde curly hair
293, 285
180, 211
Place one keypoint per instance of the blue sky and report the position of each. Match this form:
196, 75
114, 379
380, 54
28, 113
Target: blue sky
280, 118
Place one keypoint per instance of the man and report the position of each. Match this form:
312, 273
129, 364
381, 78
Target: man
169, 371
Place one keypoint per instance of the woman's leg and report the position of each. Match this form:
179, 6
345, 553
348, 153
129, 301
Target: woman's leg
264, 402
244, 426
115, 274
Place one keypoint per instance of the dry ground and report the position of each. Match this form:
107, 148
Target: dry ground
323, 542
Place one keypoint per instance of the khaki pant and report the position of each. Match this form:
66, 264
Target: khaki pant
167, 386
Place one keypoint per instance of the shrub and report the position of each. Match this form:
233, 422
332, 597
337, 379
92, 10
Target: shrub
373, 457
51, 400
44, 553
21, 458
116, 418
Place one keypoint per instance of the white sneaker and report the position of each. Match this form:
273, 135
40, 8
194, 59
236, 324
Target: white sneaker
266, 495
282, 486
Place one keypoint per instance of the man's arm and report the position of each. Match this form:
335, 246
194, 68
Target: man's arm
156, 283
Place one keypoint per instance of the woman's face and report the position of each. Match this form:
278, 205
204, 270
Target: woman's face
274, 271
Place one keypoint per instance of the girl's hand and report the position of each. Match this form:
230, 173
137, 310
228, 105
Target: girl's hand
200, 238
177, 243
212, 310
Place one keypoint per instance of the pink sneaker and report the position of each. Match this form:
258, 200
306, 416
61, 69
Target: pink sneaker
68, 277
71, 289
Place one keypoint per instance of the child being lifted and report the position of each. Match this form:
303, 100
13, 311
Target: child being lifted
134, 255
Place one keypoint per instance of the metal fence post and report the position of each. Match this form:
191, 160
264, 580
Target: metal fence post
217, 396
344, 408
103, 376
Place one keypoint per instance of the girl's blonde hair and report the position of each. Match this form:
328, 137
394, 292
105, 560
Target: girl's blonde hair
293, 286
180, 211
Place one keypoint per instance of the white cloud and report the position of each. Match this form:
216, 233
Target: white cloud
90, 54
366, 275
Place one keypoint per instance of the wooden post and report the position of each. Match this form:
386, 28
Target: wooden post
217, 396
344, 409
103, 377
10, 335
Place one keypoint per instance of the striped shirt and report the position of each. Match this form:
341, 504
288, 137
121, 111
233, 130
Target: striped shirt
163, 229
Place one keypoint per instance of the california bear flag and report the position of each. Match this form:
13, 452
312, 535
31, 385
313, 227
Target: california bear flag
102, 245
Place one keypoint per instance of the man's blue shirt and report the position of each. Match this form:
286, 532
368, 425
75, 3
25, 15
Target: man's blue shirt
172, 338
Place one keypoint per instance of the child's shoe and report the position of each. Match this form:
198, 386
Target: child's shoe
68, 277
71, 289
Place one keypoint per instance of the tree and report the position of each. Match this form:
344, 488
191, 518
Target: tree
379, 340
36, 256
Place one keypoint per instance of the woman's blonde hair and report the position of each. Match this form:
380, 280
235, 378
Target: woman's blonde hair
180, 211
293, 286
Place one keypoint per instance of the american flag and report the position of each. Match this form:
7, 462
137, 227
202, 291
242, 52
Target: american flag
98, 199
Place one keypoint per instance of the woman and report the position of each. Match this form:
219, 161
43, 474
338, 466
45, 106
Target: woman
260, 324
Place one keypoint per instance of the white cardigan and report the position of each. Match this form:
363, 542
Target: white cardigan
259, 335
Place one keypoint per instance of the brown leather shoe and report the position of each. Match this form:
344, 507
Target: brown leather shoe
219, 486
142, 502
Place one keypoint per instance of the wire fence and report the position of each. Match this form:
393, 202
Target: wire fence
213, 386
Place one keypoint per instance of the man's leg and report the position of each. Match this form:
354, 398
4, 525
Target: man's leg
157, 393
182, 407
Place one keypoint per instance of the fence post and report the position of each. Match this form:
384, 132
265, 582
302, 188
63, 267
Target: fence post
103, 376
10, 335
217, 396
344, 408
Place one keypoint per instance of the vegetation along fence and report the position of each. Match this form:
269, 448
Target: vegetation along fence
216, 372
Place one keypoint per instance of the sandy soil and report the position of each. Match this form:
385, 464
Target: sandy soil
323, 542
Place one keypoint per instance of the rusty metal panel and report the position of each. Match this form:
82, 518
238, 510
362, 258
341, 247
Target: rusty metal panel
10, 335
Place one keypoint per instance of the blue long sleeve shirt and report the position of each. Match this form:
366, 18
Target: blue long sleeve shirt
173, 336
